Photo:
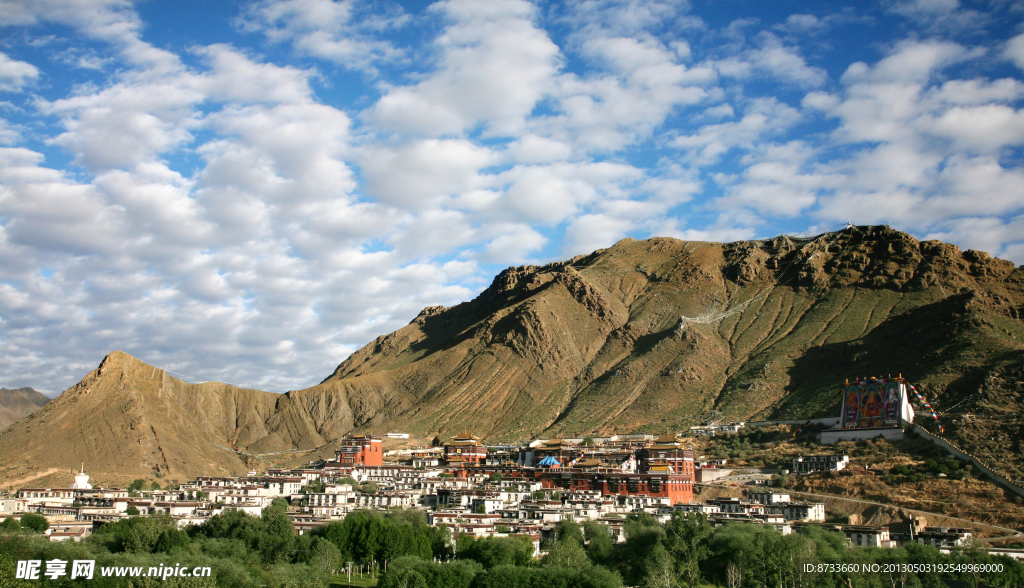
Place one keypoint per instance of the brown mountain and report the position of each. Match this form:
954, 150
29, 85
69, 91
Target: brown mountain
651, 335
18, 403
127, 420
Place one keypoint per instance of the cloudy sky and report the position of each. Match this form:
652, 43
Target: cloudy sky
248, 191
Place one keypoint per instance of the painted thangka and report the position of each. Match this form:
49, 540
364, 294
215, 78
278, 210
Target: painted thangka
876, 403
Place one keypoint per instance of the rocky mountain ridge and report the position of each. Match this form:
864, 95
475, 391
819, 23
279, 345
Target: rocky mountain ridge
653, 335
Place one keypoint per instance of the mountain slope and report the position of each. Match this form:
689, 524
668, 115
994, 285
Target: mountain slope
18, 403
652, 335
598, 343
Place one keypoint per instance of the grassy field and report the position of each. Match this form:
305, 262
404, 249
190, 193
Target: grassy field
342, 580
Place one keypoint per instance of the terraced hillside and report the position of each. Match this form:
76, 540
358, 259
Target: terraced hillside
652, 335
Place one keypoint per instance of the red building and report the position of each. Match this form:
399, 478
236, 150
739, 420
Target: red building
677, 487
465, 449
667, 455
364, 450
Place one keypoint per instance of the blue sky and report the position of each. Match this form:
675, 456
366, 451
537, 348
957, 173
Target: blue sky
249, 191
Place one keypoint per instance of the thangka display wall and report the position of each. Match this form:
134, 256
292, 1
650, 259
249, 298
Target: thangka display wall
876, 403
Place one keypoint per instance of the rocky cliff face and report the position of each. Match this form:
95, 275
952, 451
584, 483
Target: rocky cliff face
18, 403
652, 335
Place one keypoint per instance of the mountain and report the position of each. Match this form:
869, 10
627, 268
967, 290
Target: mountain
17, 403
652, 335
660, 334
128, 420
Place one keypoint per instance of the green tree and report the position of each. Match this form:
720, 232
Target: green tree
764, 557
368, 487
35, 522
278, 532
441, 542
686, 540
658, 569
154, 486
403, 578
599, 542
137, 484
324, 555
568, 530
496, 551
10, 524
131, 510
171, 539
141, 534
406, 571
568, 554
643, 533
314, 487
496, 478
598, 577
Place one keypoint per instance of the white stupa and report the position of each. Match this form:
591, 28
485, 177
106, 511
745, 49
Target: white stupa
82, 479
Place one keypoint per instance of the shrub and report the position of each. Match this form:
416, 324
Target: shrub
37, 523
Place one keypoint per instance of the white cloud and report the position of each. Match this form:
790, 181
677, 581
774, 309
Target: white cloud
546, 194
910, 62
495, 65
779, 180
235, 77
422, 173
15, 74
113, 21
640, 82
941, 15
803, 24
772, 59
629, 17
338, 30
721, 234
762, 119
594, 231
932, 150
1014, 50
987, 128
514, 244
536, 149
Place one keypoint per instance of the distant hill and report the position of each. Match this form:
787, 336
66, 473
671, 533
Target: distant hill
18, 403
654, 336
